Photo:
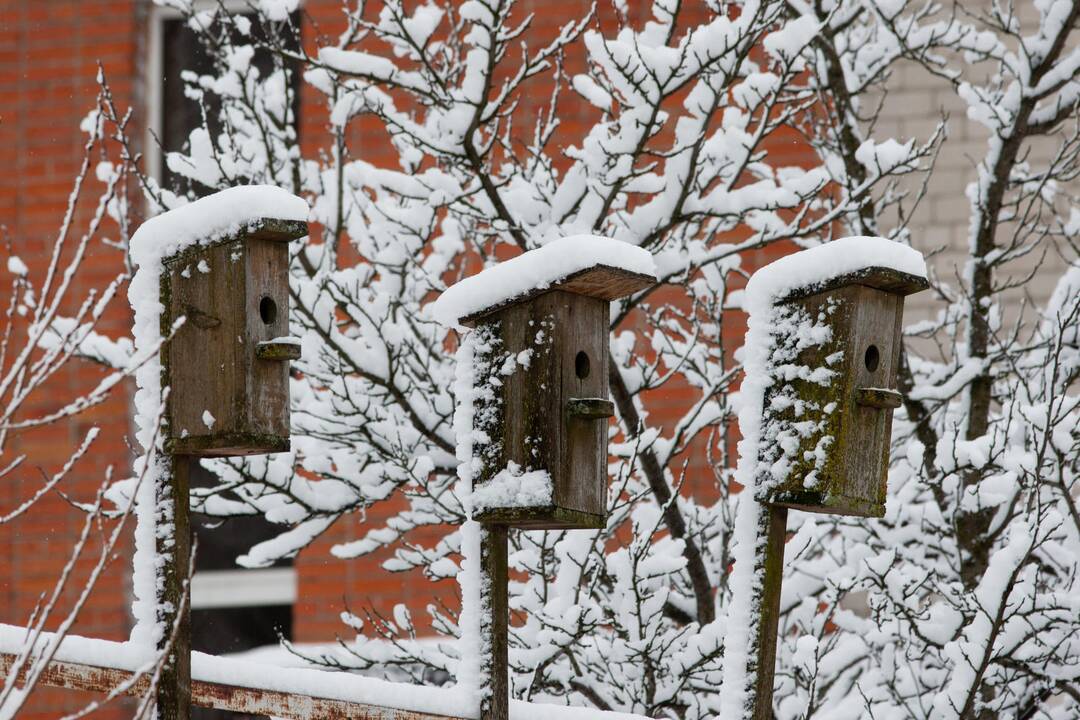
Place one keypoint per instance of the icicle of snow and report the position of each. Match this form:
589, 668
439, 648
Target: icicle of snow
512, 487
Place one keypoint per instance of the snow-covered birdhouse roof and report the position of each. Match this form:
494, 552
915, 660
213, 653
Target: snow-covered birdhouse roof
860, 260
588, 265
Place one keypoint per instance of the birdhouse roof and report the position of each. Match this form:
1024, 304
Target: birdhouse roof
587, 265
862, 260
261, 211
880, 277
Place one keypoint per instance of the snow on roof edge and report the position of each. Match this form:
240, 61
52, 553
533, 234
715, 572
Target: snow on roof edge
821, 264
213, 216
536, 269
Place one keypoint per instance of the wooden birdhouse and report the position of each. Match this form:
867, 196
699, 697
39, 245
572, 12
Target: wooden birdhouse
231, 356
542, 361
826, 431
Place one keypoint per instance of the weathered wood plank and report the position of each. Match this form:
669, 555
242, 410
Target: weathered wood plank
494, 622
774, 526
602, 282
222, 696
173, 610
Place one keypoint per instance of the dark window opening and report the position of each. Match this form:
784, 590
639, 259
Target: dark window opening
183, 50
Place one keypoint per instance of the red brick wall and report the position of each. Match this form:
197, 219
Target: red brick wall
48, 56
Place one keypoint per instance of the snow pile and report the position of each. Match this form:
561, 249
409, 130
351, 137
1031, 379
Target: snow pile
511, 488
16, 266
233, 671
806, 269
537, 269
198, 223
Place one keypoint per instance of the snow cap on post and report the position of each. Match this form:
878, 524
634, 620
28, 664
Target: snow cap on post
538, 397
823, 353
588, 265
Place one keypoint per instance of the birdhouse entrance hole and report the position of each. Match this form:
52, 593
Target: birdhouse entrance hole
268, 310
581, 364
872, 358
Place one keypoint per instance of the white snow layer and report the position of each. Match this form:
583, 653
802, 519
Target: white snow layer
16, 266
211, 217
534, 270
511, 487
815, 266
451, 702
821, 264
199, 222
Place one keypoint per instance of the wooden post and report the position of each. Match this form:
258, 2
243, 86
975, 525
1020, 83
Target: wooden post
174, 687
494, 623
229, 380
773, 526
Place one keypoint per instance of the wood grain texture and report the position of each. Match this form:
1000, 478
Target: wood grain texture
567, 336
173, 611
494, 622
763, 655
222, 696
866, 324
880, 278
234, 295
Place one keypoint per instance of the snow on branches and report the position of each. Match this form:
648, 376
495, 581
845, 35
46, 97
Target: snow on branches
960, 602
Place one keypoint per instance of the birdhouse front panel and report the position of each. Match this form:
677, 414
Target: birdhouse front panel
828, 414
542, 364
266, 315
229, 380
873, 350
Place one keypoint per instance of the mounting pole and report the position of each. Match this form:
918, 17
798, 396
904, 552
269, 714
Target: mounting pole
494, 621
173, 610
773, 527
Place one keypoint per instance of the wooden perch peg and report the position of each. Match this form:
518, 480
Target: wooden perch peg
271, 350
590, 408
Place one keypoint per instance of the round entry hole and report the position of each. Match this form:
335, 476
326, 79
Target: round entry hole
267, 310
872, 358
581, 365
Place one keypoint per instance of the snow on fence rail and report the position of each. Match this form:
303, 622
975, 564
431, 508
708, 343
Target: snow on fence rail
236, 685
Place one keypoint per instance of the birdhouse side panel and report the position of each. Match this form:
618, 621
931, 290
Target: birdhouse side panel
526, 368
531, 359
205, 363
514, 386
266, 315
874, 348
582, 351
803, 418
